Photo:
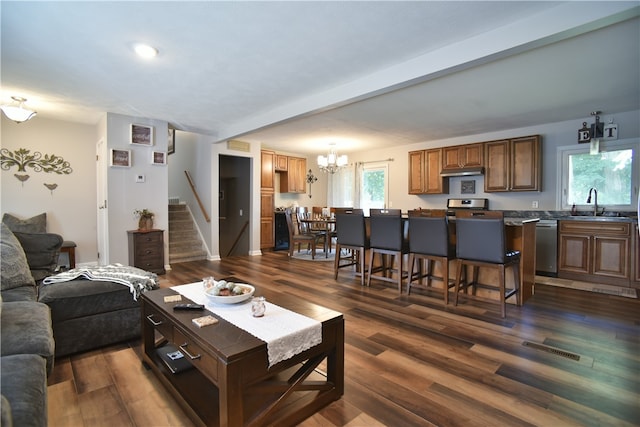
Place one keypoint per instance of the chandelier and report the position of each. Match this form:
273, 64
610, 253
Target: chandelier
331, 163
16, 110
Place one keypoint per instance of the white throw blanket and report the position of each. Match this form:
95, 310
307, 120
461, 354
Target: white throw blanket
136, 279
286, 333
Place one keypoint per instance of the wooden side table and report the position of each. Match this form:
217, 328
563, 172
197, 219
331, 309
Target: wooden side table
69, 248
146, 250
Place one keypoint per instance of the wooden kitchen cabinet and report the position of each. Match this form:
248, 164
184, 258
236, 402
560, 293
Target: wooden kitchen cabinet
635, 281
294, 179
512, 165
267, 174
282, 163
462, 156
146, 250
267, 203
595, 251
424, 172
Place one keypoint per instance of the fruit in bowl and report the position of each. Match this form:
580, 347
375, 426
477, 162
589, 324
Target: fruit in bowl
229, 292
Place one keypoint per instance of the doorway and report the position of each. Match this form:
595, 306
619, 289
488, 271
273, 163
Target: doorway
234, 201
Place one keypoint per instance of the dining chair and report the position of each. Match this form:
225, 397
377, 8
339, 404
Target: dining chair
430, 243
352, 242
305, 227
298, 238
387, 240
481, 243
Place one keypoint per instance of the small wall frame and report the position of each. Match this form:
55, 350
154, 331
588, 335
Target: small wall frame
171, 143
141, 135
158, 158
120, 158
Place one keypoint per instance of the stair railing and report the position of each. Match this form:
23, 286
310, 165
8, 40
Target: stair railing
244, 227
195, 193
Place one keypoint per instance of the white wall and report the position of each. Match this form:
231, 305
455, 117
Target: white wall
126, 195
553, 135
71, 207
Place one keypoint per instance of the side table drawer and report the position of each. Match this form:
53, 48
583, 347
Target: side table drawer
203, 361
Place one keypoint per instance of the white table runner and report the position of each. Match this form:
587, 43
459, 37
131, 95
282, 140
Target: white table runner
286, 333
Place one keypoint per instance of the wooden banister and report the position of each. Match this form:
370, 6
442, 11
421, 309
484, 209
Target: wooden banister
195, 193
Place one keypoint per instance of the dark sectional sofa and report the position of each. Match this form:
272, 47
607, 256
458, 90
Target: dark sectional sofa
39, 323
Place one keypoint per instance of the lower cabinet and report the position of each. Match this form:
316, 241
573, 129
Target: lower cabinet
595, 251
266, 219
636, 257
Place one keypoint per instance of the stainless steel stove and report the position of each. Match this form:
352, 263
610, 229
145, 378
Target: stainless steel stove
466, 204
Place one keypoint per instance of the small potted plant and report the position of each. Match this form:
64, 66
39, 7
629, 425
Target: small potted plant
145, 219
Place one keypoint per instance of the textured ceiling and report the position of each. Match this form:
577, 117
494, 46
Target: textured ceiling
297, 75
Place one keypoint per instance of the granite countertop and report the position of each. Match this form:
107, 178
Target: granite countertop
631, 217
600, 218
515, 221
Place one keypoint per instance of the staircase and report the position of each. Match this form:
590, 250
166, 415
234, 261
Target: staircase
184, 240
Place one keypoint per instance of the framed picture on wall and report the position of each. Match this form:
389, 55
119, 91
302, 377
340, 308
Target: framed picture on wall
120, 158
171, 145
141, 135
158, 158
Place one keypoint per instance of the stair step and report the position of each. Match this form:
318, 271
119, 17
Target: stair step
184, 240
187, 256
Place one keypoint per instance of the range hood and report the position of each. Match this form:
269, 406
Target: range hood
479, 170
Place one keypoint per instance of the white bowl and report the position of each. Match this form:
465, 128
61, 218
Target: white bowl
231, 299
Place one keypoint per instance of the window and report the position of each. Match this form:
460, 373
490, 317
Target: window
613, 172
374, 184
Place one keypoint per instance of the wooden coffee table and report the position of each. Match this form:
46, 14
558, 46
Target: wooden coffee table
232, 384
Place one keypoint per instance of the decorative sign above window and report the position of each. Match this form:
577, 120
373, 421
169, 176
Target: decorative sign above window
597, 130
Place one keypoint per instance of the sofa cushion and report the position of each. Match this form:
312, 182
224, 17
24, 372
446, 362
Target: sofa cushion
23, 382
36, 224
81, 298
14, 269
23, 293
42, 251
26, 329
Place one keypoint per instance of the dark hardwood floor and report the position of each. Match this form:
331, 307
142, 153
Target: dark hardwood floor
408, 359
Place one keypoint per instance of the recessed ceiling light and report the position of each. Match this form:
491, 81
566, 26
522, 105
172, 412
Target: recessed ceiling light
145, 51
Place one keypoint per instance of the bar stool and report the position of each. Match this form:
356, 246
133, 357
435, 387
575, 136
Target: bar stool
352, 237
430, 242
481, 242
387, 239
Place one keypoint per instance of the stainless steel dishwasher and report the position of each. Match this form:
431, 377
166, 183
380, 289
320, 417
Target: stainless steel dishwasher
547, 247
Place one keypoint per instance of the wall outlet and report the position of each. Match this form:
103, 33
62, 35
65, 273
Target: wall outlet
140, 178
534, 204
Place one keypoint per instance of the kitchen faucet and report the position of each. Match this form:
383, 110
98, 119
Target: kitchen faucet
595, 206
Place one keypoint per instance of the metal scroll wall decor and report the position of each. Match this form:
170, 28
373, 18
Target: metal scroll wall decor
311, 178
23, 159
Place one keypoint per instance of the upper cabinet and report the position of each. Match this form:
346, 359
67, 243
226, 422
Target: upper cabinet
294, 179
462, 156
513, 165
282, 163
267, 174
424, 172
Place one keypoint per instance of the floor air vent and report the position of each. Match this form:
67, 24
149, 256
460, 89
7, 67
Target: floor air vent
552, 350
